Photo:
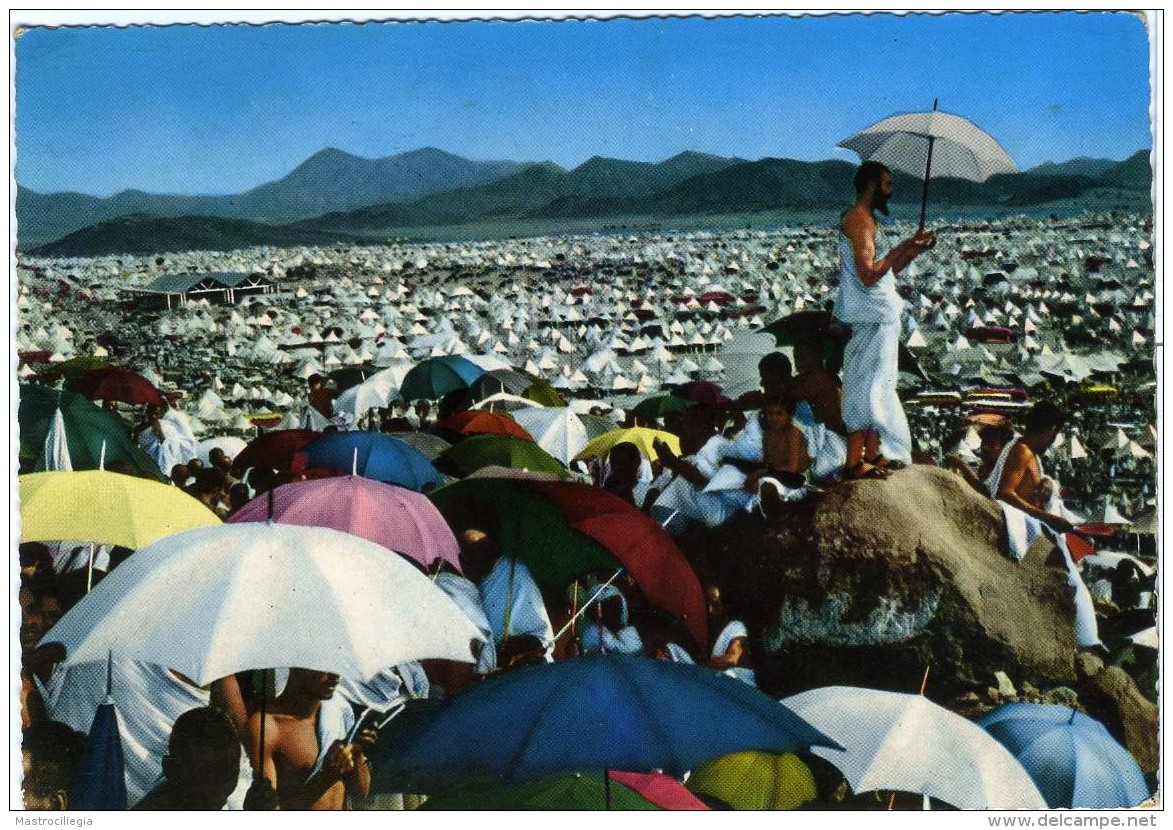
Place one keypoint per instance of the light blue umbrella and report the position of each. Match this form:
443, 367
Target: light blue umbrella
1073, 759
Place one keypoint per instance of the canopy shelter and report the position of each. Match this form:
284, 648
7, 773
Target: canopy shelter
221, 287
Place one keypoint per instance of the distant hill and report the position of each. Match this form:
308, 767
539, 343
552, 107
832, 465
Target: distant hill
1135, 172
536, 188
329, 181
142, 234
334, 181
1083, 166
689, 184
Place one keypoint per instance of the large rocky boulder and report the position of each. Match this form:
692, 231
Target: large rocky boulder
870, 582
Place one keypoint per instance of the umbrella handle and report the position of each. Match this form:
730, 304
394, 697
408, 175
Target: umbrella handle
924, 196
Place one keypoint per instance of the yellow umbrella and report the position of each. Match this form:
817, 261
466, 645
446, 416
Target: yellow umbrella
106, 507
756, 780
642, 437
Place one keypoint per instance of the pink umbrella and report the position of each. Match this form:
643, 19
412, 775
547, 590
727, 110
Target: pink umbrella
661, 790
394, 517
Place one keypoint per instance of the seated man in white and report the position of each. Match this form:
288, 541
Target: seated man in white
1031, 502
511, 598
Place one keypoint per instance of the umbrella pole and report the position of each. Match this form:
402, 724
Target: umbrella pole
574, 611
924, 196
90, 570
607, 787
587, 604
259, 770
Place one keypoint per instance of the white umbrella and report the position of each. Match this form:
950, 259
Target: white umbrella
213, 601
230, 444
376, 391
894, 741
557, 430
931, 144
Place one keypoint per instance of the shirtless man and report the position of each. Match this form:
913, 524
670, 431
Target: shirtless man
869, 302
292, 749
785, 458
1021, 481
818, 386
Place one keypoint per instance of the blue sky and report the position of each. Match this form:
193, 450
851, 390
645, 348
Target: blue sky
220, 109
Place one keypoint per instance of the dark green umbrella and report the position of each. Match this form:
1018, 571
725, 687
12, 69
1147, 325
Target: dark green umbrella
554, 792
476, 451
434, 377
94, 437
499, 380
349, 376
540, 391
74, 367
820, 328
652, 410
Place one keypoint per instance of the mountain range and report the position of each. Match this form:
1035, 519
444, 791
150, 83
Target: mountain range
336, 196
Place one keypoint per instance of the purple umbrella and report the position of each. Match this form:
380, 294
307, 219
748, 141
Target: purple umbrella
394, 517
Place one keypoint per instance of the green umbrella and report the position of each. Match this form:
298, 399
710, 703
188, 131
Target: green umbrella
349, 376
74, 367
555, 792
540, 391
476, 451
653, 409
94, 437
524, 525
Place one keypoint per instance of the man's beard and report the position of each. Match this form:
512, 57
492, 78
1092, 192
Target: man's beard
880, 202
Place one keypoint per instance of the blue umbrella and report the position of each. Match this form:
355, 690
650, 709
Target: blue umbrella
435, 377
608, 711
376, 456
101, 777
1072, 758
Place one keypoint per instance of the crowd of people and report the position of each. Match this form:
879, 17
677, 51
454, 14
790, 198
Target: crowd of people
298, 741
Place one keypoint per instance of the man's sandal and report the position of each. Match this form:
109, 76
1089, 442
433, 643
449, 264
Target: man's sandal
890, 464
865, 469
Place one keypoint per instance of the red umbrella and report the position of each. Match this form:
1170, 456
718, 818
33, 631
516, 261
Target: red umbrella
564, 529
479, 422
394, 517
116, 383
640, 544
660, 789
701, 391
275, 449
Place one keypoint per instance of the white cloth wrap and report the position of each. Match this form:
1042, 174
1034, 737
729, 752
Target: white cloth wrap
710, 506
467, 597
148, 700
335, 720
522, 607
870, 399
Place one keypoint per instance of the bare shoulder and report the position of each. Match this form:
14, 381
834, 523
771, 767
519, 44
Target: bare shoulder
857, 222
1020, 451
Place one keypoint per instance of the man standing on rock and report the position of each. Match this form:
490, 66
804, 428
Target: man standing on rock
869, 303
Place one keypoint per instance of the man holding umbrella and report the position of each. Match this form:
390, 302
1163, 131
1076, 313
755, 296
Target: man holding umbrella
869, 302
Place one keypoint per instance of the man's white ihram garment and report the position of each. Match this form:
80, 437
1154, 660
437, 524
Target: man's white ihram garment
513, 604
870, 362
1023, 529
